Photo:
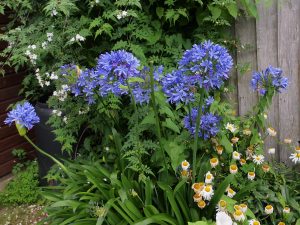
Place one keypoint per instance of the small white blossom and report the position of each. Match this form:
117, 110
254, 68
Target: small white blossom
271, 151
258, 159
44, 44
78, 37
49, 36
231, 127
65, 119
295, 157
53, 76
47, 83
222, 218
53, 12
122, 14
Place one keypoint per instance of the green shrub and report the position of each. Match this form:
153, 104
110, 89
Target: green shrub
23, 188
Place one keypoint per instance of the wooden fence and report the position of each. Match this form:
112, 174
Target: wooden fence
275, 40
10, 86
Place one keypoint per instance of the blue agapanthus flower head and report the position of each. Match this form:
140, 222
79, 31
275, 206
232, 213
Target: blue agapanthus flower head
209, 124
142, 90
24, 115
178, 88
113, 69
269, 78
208, 64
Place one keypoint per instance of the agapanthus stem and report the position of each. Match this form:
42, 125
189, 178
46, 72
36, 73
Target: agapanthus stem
132, 97
196, 136
157, 122
46, 154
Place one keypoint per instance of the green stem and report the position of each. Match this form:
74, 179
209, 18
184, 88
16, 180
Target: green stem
132, 97
196, 136
46, 154
157, 122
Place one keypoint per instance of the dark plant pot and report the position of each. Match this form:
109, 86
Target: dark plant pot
45, 140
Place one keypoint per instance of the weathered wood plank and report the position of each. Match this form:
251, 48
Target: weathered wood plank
7, 155
288, 57
6, 103
246, 34
267, 54
12, 79
10, 92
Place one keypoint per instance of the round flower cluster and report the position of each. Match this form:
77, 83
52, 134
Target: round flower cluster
206, 66
208, 124
270, 78
23, 115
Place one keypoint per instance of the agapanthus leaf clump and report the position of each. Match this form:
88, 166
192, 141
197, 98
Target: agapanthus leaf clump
209, 124
268, 79
207, 65
23, 115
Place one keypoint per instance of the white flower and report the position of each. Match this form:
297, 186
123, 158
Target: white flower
49, 36
78, 37
236, 155
286, 210
295, 157
214, 162
47, 83
244, 208
251, 175
201, 204
72, 39
271, 131
269, 209
231, 127
265, 115
122, 14
207, 192
56, 112
233, 169
65, 119
271, 151
53, 76
254, 222
239, 215
234, 140
230, 193
222, 218
221, 206
44, 44
258, 159
198, 187
287, 141
53, 12
27, 53
209, 178
197, 197
185, 165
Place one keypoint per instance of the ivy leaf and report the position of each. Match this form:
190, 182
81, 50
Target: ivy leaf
171, 125
215, 11
160, 12
232, 9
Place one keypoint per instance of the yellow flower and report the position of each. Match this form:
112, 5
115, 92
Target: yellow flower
197, 187
281, 223
286, 210
242, 161
185, 165
221, 205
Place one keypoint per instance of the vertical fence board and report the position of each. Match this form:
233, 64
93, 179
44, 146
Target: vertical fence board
267, 54
288, 53
246, 34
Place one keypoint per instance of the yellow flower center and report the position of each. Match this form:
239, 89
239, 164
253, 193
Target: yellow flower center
242, 161
219, 148
197, 195
185, 163
269, 207
230, 191
237, 207
207, 188
243, 206
214, 160
208, 176
256, 223
297, 148
251, 174
298, 155
222, 203
233, 167
238, 213
184, 173
201, 204
281, 223
197, 186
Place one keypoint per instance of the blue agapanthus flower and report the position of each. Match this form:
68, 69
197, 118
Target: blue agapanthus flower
269, 78
207, 64
209, 100
113, 69
24, 115
142, 90
209, 124
178, 88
